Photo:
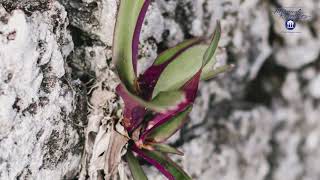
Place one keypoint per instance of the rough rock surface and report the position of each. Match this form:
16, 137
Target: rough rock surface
259, 122
41, 109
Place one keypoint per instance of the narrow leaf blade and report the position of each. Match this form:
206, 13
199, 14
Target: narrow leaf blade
165, 165
213, 45
164, 148
176, 171
127, 32
135, 168
213, 73
137, 31
162, 132
152, 161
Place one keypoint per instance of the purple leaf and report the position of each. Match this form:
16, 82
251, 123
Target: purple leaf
163, 163
133, 112
163, 131
163, 102
148, 80
135, 107
136, 35
190, 88
158, 120
126, 33
152, 161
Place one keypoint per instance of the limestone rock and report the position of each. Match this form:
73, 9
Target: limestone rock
258, 122
40, 136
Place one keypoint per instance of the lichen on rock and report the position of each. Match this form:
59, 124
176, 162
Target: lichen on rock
38, 136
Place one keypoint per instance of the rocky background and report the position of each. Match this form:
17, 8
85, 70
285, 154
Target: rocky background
259, 122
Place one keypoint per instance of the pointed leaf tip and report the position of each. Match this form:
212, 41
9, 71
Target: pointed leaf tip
209, 74
164, 148
213, 44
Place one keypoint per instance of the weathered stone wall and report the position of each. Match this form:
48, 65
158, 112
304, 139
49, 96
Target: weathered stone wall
41, 114
259, 122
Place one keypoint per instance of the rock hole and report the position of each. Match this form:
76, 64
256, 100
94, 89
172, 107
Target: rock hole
12, 36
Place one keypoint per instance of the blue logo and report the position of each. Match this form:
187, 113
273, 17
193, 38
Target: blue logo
291, 17
290, 25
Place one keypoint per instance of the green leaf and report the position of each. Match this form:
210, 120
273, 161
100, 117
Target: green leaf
166, 148
135, 168
213, 45
170, 53
166, 100
122, 43
164, 131
163, 102
209, 74
209, 66
179, 71
176, 171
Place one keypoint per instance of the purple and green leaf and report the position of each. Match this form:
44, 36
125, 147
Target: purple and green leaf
181, 70
134, 166
163, 102
163, 163
168, 89
190, 89
173, 52
136, 35
152, 161
176, 171
162, 131
134, 112
126, 39
149, 79
164, 148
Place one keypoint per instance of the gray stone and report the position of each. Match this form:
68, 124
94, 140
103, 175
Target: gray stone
41, 114
258, 122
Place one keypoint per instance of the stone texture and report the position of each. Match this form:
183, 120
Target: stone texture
40, 136
258, 122
90, 16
